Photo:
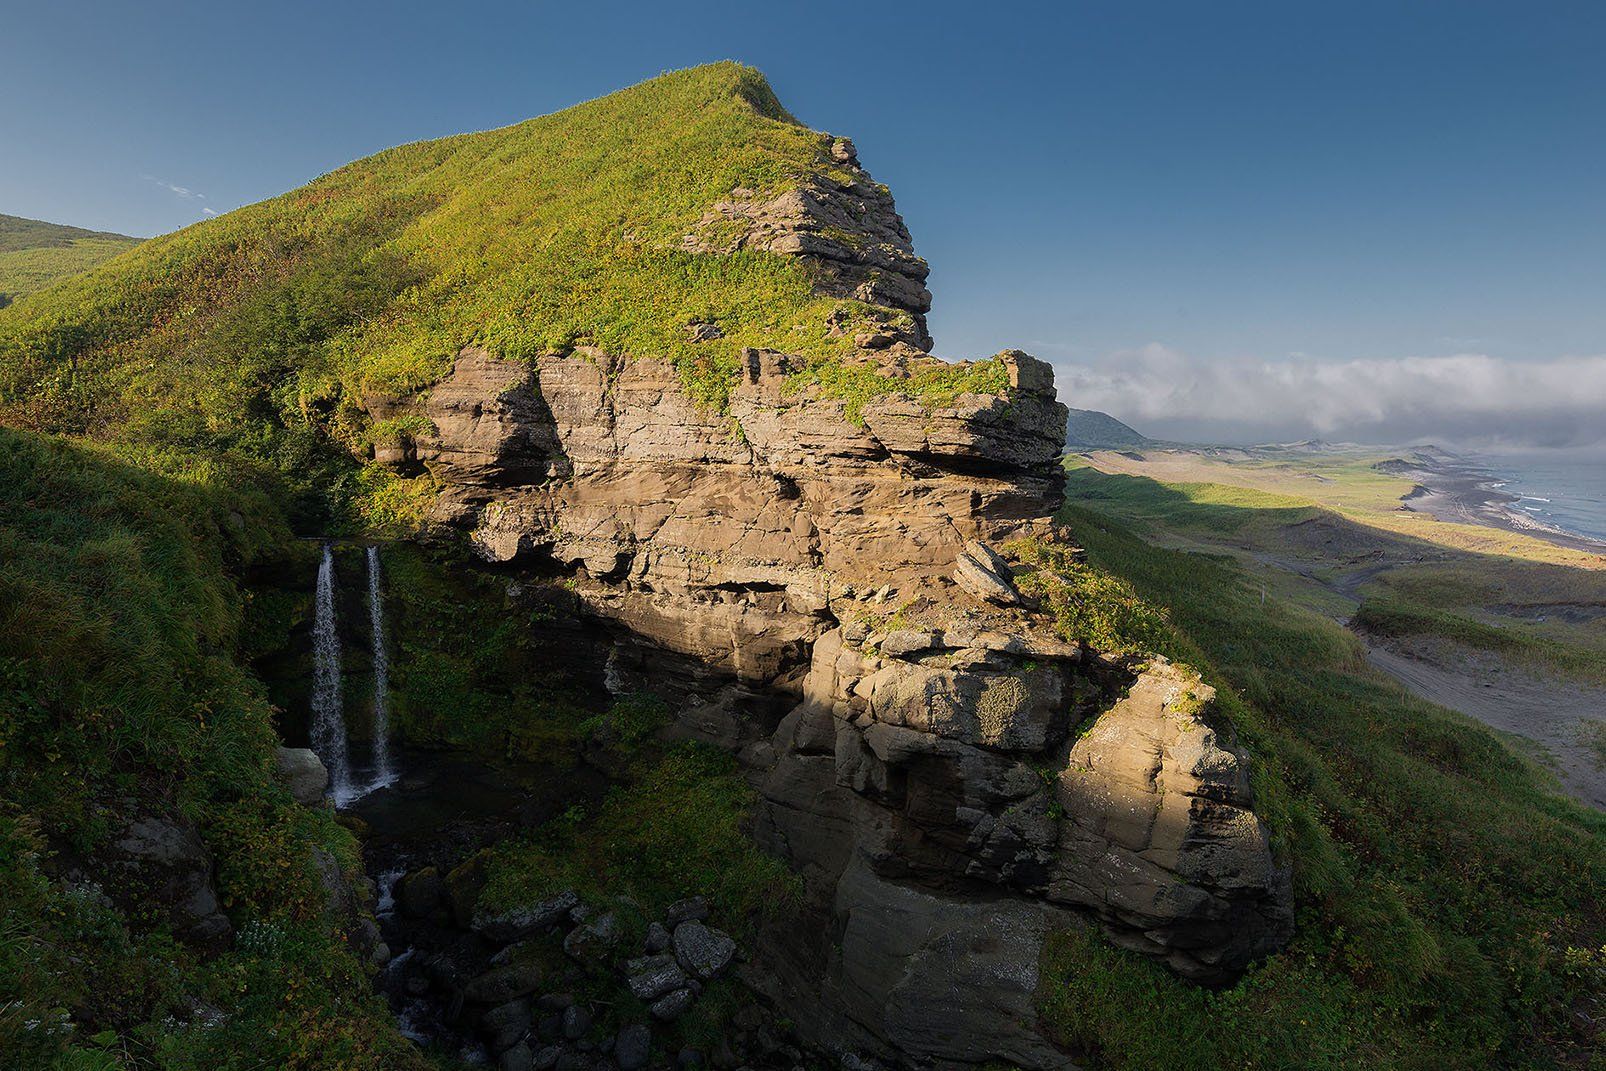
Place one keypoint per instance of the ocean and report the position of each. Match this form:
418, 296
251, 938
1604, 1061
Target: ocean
1564, 489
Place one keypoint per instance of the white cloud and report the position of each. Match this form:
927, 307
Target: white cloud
181, 191
1469, 397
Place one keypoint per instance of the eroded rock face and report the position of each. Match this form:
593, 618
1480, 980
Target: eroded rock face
845, 224
826, 598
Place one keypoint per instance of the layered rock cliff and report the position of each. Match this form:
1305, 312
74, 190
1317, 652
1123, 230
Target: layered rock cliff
817, 581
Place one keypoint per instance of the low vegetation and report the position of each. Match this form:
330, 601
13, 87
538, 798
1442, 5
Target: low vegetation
1446, 901
34, 254
121, 621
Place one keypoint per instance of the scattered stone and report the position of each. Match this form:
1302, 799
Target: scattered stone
872, 340
982, 572
904, 642
701, 950
505, 1024
652, 976
703, 331
672, 1006
518, 923
519, 1058
594, 940
689, 1060
304, 774
691, 909
502, 984
420, 892
573, 1061
554, 1002
546, 1057
633, 1047
657, 938
576, 1021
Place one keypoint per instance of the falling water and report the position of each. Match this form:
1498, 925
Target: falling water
328, 719
383, 774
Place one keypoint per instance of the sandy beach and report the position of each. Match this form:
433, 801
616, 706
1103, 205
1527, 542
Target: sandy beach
1451, 488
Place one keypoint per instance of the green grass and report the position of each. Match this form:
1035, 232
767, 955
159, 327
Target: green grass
1447, 902
471, 668
121, 622
676, 828
264, 331
525, 240
935, 387
34, 254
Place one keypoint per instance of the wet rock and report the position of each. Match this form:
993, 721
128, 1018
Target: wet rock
420, 892
701, 950
505, 1024
650, 977
691, 909
672, 1006
576, 1021
503, 984
593, 941
303, 773
633, 1047
515, 924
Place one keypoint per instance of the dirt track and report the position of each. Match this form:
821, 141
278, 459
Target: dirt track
1548, 712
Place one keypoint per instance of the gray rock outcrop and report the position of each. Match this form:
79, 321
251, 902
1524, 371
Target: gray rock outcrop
831, 597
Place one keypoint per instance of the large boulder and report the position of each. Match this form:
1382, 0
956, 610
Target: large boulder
160, 860
303, 773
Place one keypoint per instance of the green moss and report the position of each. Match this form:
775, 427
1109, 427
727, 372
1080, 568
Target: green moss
934, 387
470, 667
677, 828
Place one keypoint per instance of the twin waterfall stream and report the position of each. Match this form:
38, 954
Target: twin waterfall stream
328, 727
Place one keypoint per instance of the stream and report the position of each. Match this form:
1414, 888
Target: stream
438, 809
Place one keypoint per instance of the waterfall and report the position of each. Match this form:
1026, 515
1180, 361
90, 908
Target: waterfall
383, 774
328, 719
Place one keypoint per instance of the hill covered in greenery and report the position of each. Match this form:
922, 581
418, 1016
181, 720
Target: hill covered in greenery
34, 254
173, 418
564, 229
1089, 429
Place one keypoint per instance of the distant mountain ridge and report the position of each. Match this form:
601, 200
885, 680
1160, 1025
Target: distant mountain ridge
1089, 429
35, 254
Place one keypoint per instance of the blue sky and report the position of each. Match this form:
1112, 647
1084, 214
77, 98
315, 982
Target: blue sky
1184, 190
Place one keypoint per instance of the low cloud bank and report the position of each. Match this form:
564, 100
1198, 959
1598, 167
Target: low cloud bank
1467, 399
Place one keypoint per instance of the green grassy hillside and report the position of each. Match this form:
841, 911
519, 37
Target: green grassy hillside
263, 331
531, 238
1448, 902
123, 693
35, 254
